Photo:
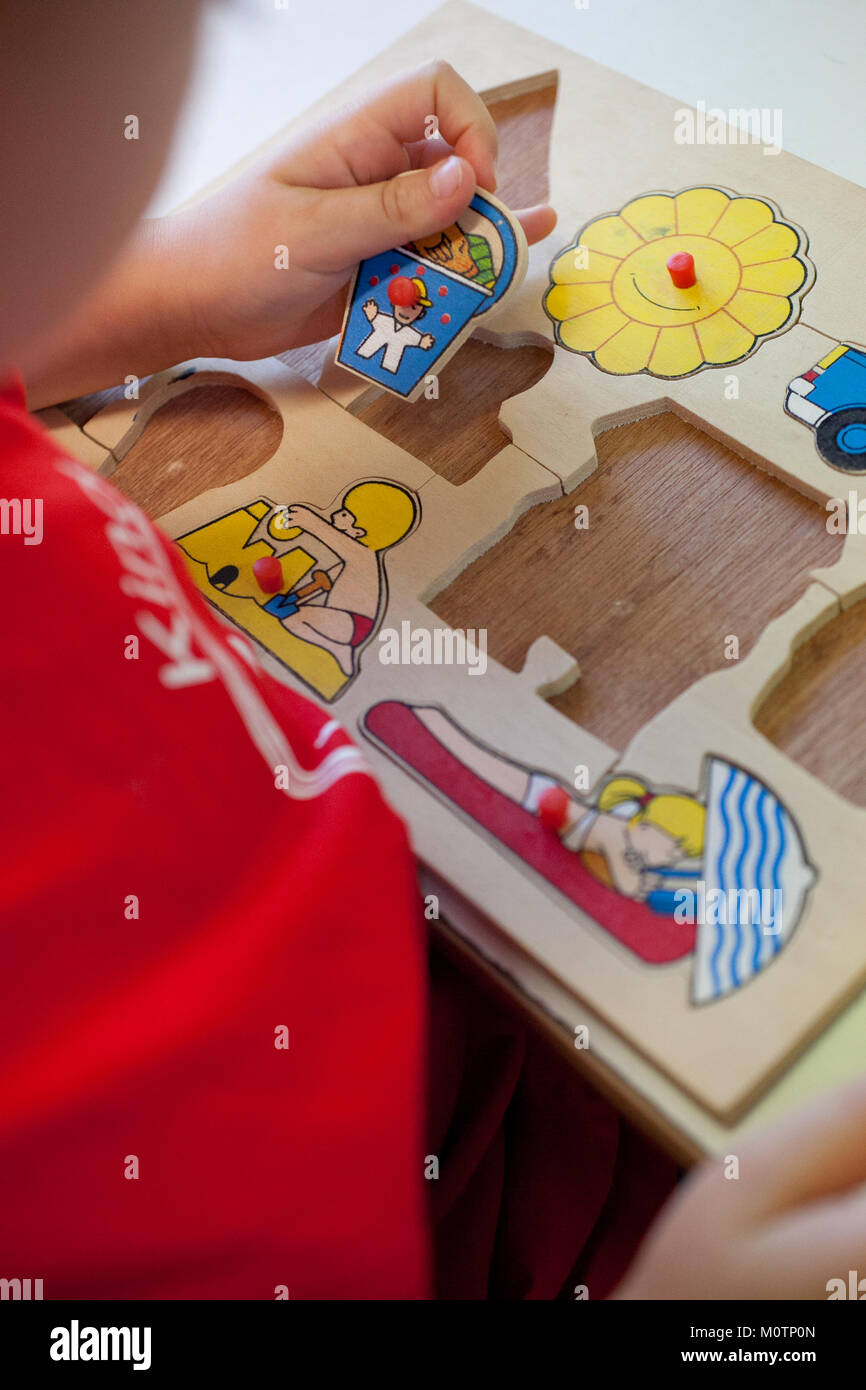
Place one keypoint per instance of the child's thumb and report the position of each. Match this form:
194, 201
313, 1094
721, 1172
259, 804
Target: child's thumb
378, 216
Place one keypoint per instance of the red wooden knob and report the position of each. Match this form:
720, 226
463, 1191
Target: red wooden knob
402, 292
269, 574
553, 807
681, 267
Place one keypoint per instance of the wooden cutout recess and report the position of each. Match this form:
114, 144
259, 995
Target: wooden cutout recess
808, 715
684, 544
222, 430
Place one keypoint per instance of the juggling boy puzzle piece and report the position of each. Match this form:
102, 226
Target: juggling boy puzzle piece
410, 309
310, 586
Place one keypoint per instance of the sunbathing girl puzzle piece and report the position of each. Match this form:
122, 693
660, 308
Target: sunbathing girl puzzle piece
410, 309
721, 875
308, 585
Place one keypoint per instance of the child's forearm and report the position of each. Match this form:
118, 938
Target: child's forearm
137, 321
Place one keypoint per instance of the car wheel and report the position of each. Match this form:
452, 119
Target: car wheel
841, 439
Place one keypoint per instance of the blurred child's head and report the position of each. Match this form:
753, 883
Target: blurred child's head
74, 182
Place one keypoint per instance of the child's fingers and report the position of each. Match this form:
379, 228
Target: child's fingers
350, 223
434, 101
423, 153
797, 1255
815, 1152
537, 222
792, 1219
367, 142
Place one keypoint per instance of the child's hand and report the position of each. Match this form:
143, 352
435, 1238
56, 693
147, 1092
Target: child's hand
207, 282
362, 183
794, 1219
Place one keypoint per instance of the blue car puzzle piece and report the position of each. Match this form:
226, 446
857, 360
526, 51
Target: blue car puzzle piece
831, 399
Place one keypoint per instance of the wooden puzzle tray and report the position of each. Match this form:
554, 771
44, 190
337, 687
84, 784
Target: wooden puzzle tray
673, 627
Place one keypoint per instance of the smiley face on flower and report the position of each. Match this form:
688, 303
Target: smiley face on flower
613, 298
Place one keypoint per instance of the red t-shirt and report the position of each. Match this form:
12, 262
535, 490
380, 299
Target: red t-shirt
169, 909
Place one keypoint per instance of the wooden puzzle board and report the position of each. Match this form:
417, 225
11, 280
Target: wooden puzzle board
593, 104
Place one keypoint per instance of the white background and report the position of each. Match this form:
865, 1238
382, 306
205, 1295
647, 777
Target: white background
258, 66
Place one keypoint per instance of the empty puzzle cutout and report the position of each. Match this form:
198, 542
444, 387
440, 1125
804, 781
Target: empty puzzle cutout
813, 715
326, 590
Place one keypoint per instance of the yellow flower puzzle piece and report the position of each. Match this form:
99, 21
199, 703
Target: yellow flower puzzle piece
612, 299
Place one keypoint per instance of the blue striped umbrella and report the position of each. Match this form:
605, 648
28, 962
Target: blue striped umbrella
756, 878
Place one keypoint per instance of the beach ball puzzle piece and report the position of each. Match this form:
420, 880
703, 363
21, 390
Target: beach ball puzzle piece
409, 309
676, 282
